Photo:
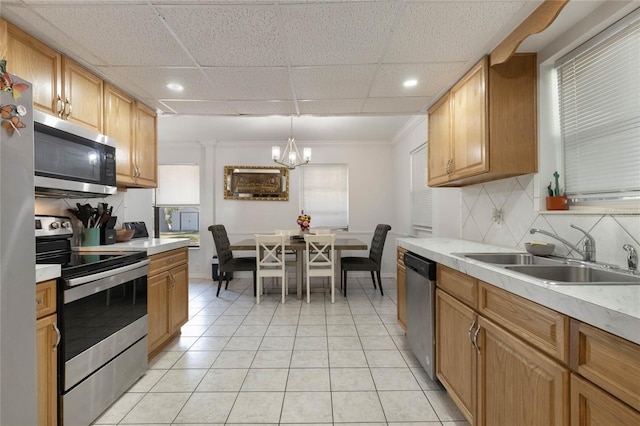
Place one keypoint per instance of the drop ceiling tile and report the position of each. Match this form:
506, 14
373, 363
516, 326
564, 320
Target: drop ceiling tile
451, 31
154, 80
409, 105
263, 107
333, 106
432, 78
121, 34
252, 83
337, 33
342, 82
199, 107
228, 35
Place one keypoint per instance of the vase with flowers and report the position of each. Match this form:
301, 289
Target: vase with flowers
304, 221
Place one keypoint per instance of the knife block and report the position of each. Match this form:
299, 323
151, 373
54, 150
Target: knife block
107, 236
107, 232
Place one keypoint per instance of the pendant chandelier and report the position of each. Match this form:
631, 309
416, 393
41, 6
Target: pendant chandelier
291, 158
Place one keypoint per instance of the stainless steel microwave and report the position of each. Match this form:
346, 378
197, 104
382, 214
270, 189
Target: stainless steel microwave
72, 161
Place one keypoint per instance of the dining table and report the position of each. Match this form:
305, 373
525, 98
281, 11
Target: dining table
299, 246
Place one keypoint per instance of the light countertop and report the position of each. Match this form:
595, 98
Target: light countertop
150, 245
47, 272
614, 308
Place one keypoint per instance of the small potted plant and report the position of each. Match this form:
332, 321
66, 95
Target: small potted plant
556, 200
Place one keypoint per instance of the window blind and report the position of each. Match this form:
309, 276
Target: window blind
178, 185
324, 194
599, 100
421, 204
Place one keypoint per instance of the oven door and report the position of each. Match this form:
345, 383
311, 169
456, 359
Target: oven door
101, 317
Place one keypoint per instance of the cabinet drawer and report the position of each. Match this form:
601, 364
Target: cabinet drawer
590, 405
457, 284
608, 361
164, 261
545, 328
45, 298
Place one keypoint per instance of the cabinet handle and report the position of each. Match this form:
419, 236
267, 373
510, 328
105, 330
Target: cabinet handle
448, 170
59, 106
473, 324
69, 109
55, 346
475, 340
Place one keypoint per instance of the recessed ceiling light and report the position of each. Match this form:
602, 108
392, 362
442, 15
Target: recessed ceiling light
410, 83
175, 87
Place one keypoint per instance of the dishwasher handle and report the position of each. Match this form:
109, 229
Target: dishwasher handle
421, 265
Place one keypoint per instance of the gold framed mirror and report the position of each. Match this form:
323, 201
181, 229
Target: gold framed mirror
256, 183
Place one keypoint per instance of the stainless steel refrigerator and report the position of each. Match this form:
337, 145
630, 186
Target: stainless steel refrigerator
18, 389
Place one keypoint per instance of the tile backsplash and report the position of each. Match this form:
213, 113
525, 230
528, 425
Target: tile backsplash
515, 198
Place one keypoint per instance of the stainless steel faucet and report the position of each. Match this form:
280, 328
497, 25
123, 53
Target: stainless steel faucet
588, 251
632, 257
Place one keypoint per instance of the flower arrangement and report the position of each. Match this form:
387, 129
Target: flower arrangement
304, 221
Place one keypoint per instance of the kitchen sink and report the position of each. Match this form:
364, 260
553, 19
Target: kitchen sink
575, 275
510, 258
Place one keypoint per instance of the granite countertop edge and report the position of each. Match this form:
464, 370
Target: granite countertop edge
150, 245
613, 308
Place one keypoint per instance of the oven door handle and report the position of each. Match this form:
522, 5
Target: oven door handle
105, 274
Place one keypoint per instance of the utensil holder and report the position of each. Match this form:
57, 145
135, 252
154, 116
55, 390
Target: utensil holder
557, 202
90, 237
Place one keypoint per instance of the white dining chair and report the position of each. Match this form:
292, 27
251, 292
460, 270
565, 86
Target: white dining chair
320, 260
270, 261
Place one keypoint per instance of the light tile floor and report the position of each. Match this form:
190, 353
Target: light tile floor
320, 363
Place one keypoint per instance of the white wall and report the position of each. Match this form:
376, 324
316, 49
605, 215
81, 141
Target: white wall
371, 187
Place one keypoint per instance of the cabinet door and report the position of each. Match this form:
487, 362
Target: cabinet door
82, 96
517, 384
470, 130
455, 355
179, 297
591, 406
439, 148
47, 370
37, 63
158, 309
119, 116
402, 291
146, 147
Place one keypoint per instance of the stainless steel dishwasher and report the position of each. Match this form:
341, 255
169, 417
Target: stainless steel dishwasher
420, 283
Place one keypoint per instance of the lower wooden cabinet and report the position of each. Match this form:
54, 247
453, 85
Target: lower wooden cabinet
516, 383
505, 360
493, 375
47, 339
401, 299
591, 406
168, 297
455, 354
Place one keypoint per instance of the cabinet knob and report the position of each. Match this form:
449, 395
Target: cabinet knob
39, 302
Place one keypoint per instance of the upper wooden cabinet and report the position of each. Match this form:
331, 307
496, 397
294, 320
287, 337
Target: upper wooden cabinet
82, 96
38, 64
485, 127
60, 86
133, 125
145, 162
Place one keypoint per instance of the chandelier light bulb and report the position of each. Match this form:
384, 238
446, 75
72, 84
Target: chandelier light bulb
275, 153
291, 157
